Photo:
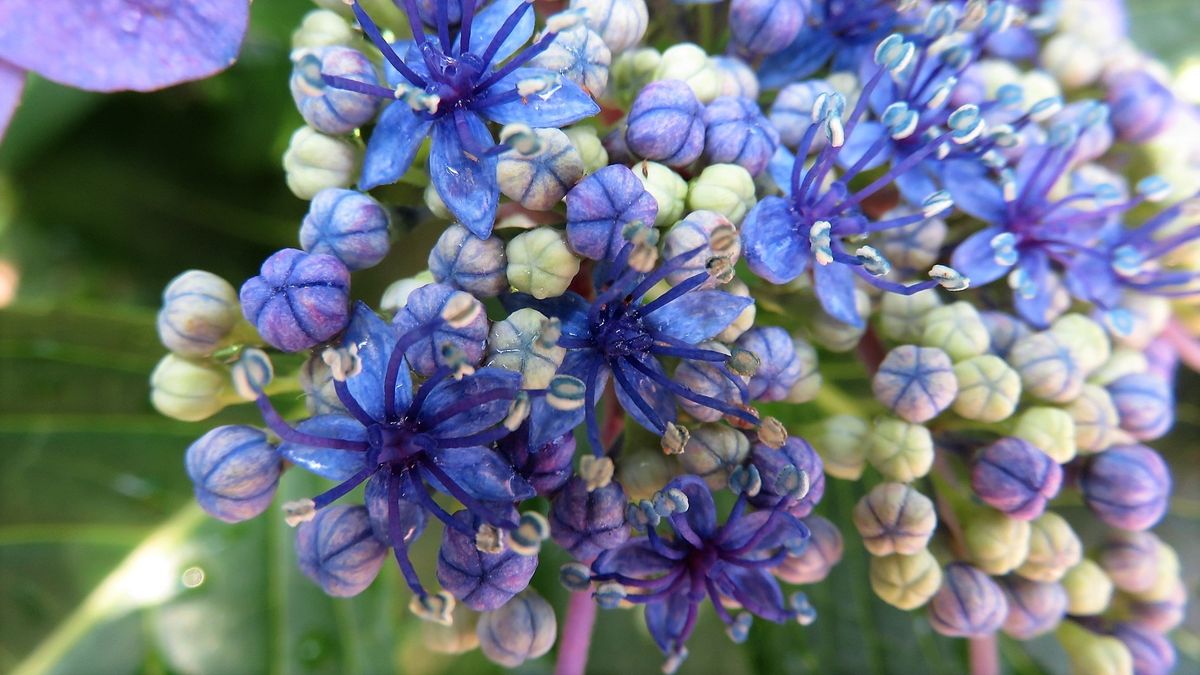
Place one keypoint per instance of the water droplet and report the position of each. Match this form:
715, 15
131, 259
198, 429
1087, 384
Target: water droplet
193, 577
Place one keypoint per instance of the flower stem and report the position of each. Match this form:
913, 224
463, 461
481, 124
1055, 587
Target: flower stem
984, 657
576, 634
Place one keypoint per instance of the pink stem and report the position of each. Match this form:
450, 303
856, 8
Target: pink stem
984, 657
1185, 344
576, 634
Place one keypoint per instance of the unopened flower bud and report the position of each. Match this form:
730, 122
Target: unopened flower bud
905, 581
996, 543
822, 552
1016, 478
1085, 339
540, 263
1127, 486
538, 172
234, 470
1131, 560
713, 451
328, 109
187, 390
836, 335
668, 188
298, 300
1034, 607
1089, 589
917, 383
523, 628
956, 329
843, 442
1093, 653
1145, 404
1054, 548
621, 23
895, 518
461, 260
727, 189
1047, 368
1051, 430
688, 63
1152, 652
338, 551
587, 144
578, 52
322, 28
988, 389
969, 603
587, 521
314, 161
199, 311
518, 344
899, 450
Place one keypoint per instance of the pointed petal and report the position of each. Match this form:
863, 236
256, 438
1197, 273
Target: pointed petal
773, 248
974, 191
667, 618
374, 339
392, 146
328, 463
464, 181
122, 44
482, 473
635, 558
488, 22
698, 315
702, 510
834, 285
806, 55
446, 414
652, 393
976, 259
563, 104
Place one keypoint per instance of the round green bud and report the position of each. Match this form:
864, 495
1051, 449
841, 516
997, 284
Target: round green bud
899, 450
587, 144
996, 543
905, 581
539, 167
1085, 339
842, 443
395, 296
1072, 60
1054, 548
955, 329
527, 343
1093, 653
433, 202
809, 384
1051, 430
187, 390
836, 336
1122, 362
690, 63
630, 71
988, 389
644, 474
668, 188
713, 452
745, 320
727, 189
1097, 423
902, 317
322, 28
314, 161
1048, 370
1089, 589
457, 637
894, 518
540, 263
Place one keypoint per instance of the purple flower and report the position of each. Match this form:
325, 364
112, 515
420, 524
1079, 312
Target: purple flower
765, 26
666, 124
838, 32
446, 88
1014, 477
1126, 486
599, 208
115, 46
969, 603
404, 441
235, 471
348, 225
338, 550
587, 523
702, 558
298, 300
482, 580
736, 132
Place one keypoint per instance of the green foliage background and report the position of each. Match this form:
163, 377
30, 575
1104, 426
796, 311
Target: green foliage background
102, 201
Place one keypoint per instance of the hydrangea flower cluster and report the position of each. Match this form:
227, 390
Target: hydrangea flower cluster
646, 258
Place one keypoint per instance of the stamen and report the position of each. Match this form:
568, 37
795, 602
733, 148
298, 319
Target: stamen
596, 472
489, 538
343, 363
438, 608
299, 511
575, 576
772, 433
532, 530
674, 439
251, 373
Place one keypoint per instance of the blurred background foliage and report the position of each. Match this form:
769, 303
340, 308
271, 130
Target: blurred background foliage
105, 564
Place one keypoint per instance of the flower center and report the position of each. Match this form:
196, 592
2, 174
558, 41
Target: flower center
618, 330
454, 78
396, 445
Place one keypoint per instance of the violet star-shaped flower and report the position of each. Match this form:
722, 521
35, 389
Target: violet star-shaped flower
403, 441
448, 89
138, 45
702, 558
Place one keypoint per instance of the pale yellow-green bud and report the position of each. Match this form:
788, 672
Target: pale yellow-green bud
668, 188
1072, 60
187, 390
1051, 430
587, 144
1085, 339
836, 336
322, 28
713, 451
745, 320
727, 189
630, 71
809, 384
1097, 423
540, 263
1089, 589
457, 638
842, 444
955, 329
899, 450
1054, 548
1122, 362
988, 388
905, 581
517, 344
314, 161
902, 317
1167, 576
433, 202
894, 518
996, 543
1092, 653
690, 63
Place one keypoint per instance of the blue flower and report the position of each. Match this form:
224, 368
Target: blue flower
782, 234
702, 558
402, 440
115, 46
622, 335
448, 88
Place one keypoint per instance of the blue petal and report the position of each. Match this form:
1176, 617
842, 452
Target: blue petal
375, 340
807, 53
547, 423
465, 182
12, 81
449, 393
701, 515
488, 22
328, 463
834, 285
667, 618
756, 590
973, 190
773, 248
861, 138
122, 44
392, 146
659, 399
636, 558
698, 315
918, 182
482, 473
565, 103
570, 308
780, 169
976, 259
1036, 309
1091, 279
